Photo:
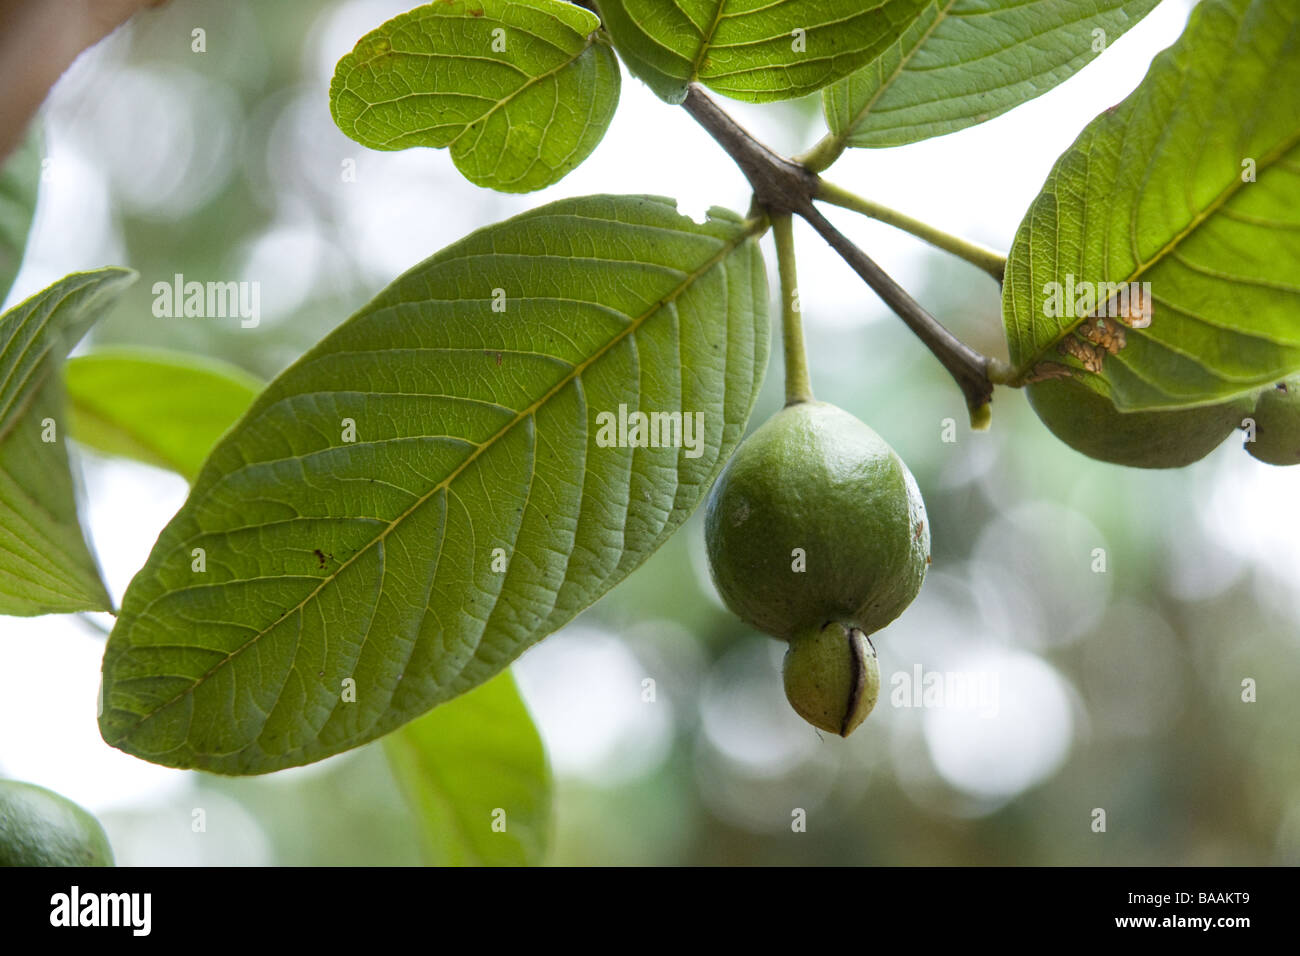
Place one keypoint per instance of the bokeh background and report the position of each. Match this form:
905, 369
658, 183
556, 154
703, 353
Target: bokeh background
1118, 689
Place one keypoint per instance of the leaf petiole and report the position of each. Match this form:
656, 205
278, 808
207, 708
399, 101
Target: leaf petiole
823, 153
980, 256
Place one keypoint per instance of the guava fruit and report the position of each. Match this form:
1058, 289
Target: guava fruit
817, 535
1277, 424
815, 519
1089, 423
41, 828
831, 677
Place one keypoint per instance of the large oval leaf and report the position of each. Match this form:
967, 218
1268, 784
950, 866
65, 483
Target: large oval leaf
748, 50
520, 92
162, 408
1192, 185
473, 769
45, 564
962, 62
476, 775
350, 585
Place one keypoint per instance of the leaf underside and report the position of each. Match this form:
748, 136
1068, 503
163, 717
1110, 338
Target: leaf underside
1158, 190
162, 408
464, 766
45, 564
748, 50
962, 62
370, 563
474, 763
520, 93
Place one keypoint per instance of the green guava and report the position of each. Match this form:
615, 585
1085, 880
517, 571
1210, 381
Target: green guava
1089, 423
832, 677
816, 519
41, 828
1277, 424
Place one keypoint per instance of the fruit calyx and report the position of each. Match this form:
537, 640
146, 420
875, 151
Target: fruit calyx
831, 676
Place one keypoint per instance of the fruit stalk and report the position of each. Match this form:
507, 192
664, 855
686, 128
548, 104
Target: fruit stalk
798, 385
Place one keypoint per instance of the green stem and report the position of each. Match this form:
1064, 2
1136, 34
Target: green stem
823, 153
1002, 373
798, 386
977, 255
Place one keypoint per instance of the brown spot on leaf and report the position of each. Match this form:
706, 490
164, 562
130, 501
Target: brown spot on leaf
1107, 334
1045, 370
1090, 355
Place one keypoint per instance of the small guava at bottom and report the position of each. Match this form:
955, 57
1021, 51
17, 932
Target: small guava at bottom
41, 828
1277, 424
831, 676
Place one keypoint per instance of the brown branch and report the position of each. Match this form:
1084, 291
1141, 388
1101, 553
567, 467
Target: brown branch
782, 186
38, 41
968, 367
779, 185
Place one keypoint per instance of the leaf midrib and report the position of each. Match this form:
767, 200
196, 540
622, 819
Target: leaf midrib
1270, 159
706, 42
941, 15
728, 247
590, 42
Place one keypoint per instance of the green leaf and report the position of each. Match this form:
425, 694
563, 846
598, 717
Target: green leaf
753, 50
20, 179
162, 408
1157, 190
45, 564
350, 585
457, 764
521, 92
476, 774
962, 62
